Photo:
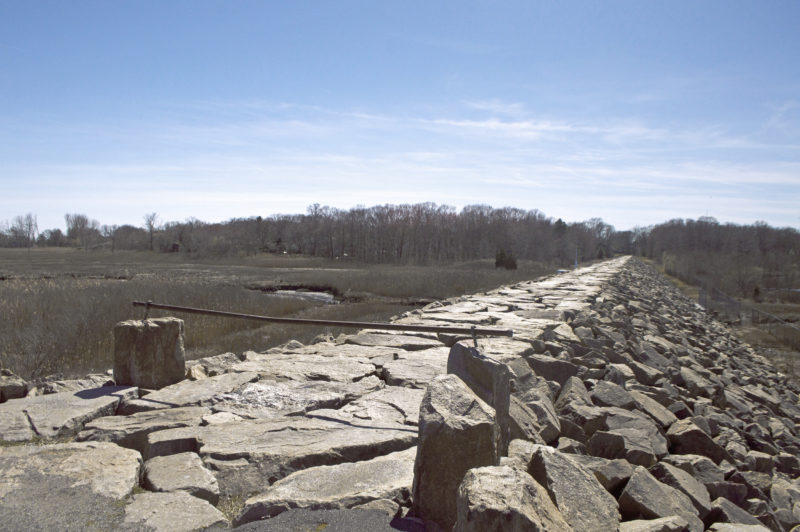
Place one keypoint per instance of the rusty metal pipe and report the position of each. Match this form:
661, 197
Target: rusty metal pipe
472, 331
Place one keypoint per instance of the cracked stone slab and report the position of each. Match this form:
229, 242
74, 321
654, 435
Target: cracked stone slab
337, 486
50, 487
416, 369
249, 454
269, 399
171, 512
306, 367
392, 404
188, 393
59, 414
131, 431
400, 341
181, 472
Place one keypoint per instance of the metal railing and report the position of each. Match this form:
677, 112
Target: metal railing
472, 331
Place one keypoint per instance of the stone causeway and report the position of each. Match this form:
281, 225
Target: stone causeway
618, 404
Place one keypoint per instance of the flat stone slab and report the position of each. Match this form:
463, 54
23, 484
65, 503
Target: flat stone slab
399, 341
247, 455
59, 414
181, 472
269, 399
188, 393
416, 369
61, 486
131, 431
305, 367
171, 512
392, 404
338, 486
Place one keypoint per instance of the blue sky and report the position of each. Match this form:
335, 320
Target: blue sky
636, 112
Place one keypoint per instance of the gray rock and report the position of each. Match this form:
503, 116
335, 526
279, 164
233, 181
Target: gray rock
701, 468
149, 353
131, 431
269, 399
59, 414
644, 497
457, 431
685, 437
391, 404
306, 367
736, 527
215, 365
732, 491
523, 422
171, 512
761, 462
503, 498
73, 385
339, 486
488, 379
11, 386
673, 523
247, 455
181, 472
416, 369
629, 443
607, 393
60, 486
570, 446
188, 393
398, 341
520, 453
683, 481
724, 511
387, 506
15, 426
613, 474
580, 498
645, 374
654, 409
552, 369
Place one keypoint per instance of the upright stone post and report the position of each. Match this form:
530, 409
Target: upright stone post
149, 353
457, 431
489, 379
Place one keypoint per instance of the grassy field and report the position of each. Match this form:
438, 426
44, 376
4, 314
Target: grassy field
59, 306
783, 356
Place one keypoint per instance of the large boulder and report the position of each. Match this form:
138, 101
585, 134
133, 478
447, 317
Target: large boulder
489, 379
11, 386
149, 353
577, 493
685, 437
507, 499
457, 432
644, 497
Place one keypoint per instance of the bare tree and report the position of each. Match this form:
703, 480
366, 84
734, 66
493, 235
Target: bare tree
24, 229
82, 230
151, 224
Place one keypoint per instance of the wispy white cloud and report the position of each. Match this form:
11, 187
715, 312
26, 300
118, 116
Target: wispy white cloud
279, 158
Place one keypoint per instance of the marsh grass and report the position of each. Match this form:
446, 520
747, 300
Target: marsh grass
59, 307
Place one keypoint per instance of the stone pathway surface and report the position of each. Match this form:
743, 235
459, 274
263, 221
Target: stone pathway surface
618, 384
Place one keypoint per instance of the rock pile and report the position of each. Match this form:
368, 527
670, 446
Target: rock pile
618, 404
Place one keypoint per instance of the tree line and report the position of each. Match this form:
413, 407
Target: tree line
740, 259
